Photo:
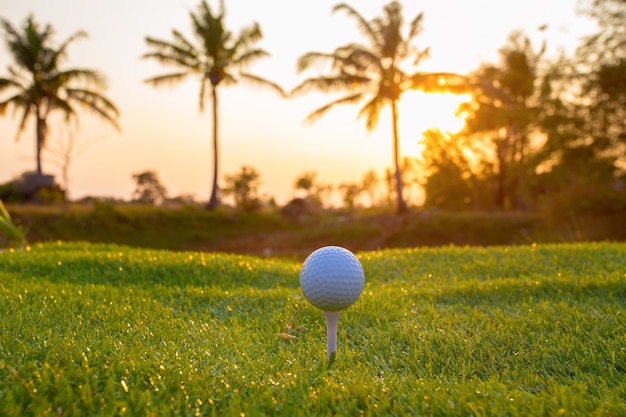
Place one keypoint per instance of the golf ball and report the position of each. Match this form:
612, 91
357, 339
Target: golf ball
332, 278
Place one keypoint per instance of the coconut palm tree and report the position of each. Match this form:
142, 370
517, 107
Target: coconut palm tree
40, 87
371, 72
213, 59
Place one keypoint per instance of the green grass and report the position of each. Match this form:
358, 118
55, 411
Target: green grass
269, 231
8, 228
106, 330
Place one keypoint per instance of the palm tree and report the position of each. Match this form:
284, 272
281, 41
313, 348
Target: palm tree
217, 52
41, 87
372, 73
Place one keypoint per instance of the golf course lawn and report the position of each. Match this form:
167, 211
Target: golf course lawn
107, 330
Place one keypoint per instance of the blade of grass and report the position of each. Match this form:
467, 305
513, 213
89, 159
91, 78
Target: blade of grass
8, 227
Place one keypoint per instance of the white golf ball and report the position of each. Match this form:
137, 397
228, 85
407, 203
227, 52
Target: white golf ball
332, 278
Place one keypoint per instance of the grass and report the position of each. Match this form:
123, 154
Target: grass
106, 330
8, 228
268, 231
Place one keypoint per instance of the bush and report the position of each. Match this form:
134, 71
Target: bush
8, 193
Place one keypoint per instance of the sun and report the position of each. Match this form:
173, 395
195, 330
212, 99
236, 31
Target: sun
419, 112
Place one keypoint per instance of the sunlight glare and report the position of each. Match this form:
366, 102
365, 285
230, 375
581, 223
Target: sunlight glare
419, 112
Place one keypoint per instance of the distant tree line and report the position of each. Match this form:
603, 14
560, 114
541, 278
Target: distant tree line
243, 188
540, 134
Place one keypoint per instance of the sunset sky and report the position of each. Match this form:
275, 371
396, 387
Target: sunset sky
162, 129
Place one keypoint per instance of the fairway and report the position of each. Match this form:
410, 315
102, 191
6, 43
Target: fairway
106, 330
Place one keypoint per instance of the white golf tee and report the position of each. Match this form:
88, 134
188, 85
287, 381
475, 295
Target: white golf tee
332, 318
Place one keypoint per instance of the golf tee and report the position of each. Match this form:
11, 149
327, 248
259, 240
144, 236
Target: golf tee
332, 318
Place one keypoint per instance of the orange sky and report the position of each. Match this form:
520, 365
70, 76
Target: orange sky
162, 129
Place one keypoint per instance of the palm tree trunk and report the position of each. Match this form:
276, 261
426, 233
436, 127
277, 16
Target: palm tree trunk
41, 135
402, 207
214, 199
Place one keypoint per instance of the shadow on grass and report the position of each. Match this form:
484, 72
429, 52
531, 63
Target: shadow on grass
120, 265
510, 294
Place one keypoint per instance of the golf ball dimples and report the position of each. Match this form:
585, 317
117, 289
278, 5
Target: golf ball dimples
332, 278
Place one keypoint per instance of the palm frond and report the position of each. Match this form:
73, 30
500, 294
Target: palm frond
172, 54
4, 105
329, 84
371, 111
81, 75
363, 25
262, 82
173, 60
390, 30
438, 82
61, 52
97, 104
248, 57
210, 31
415, 27
18, 44
167, 79
248, 36
18, 76
228, 79
27, 111
421, 55
64, 106
311, 58
6, 83
8, 28
357, 57
316, 114
182, 44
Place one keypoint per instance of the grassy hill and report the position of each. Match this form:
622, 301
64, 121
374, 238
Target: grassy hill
102, 329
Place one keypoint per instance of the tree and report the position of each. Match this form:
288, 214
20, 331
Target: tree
350, 192
583, 161
244, 187
372, 73
504, 112
306, 182
448, 182
41, 87
316, 192
608, 45
602, 71
217, 53
148, 188
369, 185
64, 152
